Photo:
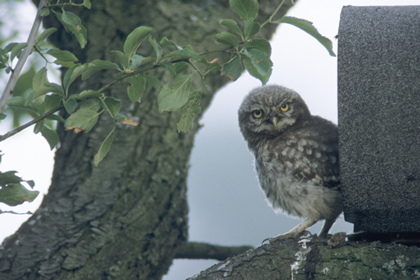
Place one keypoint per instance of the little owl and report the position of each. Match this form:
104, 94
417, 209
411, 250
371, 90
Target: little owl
296, 156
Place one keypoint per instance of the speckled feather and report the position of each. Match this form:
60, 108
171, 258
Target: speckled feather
296, 155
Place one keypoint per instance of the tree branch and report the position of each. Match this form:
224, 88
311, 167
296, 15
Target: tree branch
314, 259
198, 250
28, 124
22, 59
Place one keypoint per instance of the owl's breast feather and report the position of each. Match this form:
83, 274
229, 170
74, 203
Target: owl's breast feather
296, 197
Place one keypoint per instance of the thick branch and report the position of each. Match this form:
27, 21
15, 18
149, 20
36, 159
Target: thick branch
198, 250
314, 259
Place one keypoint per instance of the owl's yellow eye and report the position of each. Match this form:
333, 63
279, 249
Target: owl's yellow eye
257, 114
284, 107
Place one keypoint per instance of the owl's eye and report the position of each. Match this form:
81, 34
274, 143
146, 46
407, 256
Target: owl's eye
284, 107
257, 114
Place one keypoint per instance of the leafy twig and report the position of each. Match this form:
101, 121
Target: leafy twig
28, 124
270, 19
22, 59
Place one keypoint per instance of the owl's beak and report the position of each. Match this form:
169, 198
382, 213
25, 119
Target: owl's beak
275, 120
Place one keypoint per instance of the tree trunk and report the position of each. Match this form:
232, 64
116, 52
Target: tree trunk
126, 218
314, 259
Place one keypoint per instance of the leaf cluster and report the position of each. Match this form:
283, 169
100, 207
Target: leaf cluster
12, 189
43, 98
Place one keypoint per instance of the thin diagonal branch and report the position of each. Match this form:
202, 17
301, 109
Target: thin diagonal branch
22, 59
28, 124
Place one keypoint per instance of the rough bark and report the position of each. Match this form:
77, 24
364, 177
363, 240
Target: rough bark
315, 260
126, 218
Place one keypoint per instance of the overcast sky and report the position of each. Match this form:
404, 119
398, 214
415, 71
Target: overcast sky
226, 205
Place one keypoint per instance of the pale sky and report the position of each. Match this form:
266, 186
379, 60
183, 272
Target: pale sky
226, 204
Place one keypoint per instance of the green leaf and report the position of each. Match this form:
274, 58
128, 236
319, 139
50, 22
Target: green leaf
70, 105
308, 27
44, 35
258, 64
9, 177
50, 135
24, 82
246, 9
45, 12
51, 101
173, 98
97, 65
189, 112
184, 52
227, 38
87, 4
15, 194
90, 93
16, 101
156, 47
38, 126
136, 88
41, 85
112, 105
72, 23
175, 68
16, 49
71, 75
233, 25
12, 192
56, 118
104, 148
31, 183
121, 58
62, 55
260, 44
64, 58
153, 81
134, 39
251, 28
85, 118
169, 43
138, 60
233, 68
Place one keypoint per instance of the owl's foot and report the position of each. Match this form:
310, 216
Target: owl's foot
289, 235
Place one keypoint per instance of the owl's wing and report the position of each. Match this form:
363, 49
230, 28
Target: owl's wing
312, 156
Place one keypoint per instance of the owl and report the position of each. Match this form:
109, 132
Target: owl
296, 156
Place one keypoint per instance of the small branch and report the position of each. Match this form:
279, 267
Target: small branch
198, 250
270, 19
15, 213
22, 59
28, 124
